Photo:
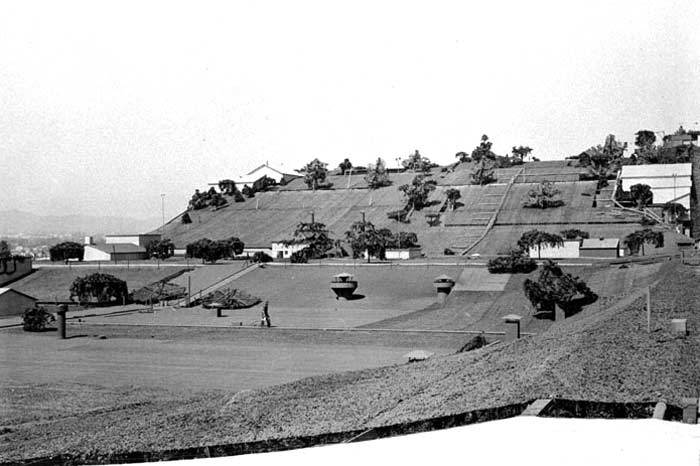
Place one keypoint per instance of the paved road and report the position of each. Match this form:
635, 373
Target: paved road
213, 359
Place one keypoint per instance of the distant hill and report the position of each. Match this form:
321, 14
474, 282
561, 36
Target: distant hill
14, 222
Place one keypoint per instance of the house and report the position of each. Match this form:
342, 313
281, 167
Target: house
13, 302
569, 250
600, 248
280, 250
257, 173
118, 248
668, 182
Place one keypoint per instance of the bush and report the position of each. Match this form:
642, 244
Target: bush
160, 249
185, 219
448, 252
514, 262
261, 257
299, 257
35, 319
573, 234
66, 250
475, 343
100, 287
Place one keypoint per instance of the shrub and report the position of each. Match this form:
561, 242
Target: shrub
514, 262
100, 287
573, 234
36, 319
261, 257
543, 197
448, 252
185, 219
300, 257
554, 287
67, 250
377, 176
475, 343
417, 192
642, 195
647, 222
160, 249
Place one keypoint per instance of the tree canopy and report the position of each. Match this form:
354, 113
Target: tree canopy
555, 287
674, 211
418, 192
364, 237
345, 166
66, 250
315, 236
212, 251
636, 241
484, 172
642, 195
521, 152
544, 196
452, 195
315, 173
417, 162
573, 234
604, 160
4, 250
377, 175
483, 150
160, 249
537, 238
99, 287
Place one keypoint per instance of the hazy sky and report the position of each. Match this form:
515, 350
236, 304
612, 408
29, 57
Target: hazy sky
104, 106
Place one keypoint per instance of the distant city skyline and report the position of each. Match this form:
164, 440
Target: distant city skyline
106, 107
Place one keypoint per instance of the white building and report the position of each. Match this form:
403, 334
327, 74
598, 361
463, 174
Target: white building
569, 250
263, 170
118, 248
285, 251
668, 182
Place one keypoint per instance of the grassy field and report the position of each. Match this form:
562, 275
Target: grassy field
54, 282
602, 354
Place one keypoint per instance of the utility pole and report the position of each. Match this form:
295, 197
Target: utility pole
162, 209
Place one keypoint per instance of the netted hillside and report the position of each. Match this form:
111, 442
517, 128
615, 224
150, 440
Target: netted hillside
272, 216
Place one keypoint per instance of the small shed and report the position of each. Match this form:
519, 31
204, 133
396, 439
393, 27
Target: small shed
13, 302
600, 248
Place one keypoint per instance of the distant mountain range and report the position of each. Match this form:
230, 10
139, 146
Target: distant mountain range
13, 222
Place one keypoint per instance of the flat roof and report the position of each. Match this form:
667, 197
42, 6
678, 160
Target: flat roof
117, 248
656, 170
600, 243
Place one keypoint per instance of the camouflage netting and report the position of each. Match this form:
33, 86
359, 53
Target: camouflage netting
229, 298
156, 292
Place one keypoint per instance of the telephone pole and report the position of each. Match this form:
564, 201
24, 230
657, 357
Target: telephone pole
162, 209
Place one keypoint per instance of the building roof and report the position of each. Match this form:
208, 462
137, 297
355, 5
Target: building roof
6, 290
265, 165
656, 170
117, 248
129, 236
600, 243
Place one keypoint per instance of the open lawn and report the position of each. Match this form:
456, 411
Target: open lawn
54, 282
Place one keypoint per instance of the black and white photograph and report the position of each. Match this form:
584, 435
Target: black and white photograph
331, 232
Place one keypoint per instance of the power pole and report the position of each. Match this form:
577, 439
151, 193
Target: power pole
162, 209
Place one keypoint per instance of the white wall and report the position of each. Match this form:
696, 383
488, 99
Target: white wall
286, 251
94, 254
403, 254
570, 250
663, 188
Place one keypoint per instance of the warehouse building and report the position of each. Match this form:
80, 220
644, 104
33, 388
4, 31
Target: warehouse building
118, 248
